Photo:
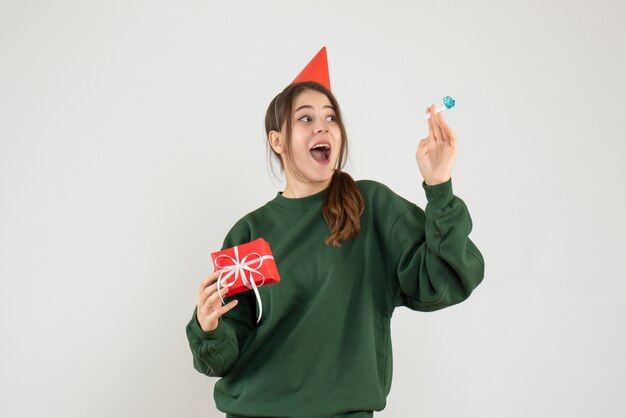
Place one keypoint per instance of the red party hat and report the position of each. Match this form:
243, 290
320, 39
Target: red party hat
316, 70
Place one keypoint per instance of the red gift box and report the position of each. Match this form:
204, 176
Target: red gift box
246, 267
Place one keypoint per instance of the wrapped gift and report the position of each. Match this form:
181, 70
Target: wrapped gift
245, 267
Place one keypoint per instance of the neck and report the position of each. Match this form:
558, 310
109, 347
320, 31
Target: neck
296, 189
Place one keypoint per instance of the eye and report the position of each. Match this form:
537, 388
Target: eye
331, 118
305, 118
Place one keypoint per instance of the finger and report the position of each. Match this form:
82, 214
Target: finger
215, 299
209, 290
218, 313
436, 127
208, 280
451, 136
443, 126
431, 132
213, 290
206, 293
422, 148
448, 133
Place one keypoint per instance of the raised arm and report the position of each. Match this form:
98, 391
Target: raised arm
435, 263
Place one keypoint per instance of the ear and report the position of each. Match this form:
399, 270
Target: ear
276, 141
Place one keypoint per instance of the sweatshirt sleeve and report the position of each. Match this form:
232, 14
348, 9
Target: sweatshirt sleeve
215, 353
435, 263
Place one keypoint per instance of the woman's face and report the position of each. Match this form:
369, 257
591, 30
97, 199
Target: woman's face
315, 138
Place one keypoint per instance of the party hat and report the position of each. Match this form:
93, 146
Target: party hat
316, 70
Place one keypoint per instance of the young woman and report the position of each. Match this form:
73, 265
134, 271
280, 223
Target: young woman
348, 254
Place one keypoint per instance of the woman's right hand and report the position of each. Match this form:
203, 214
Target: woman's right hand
209, 304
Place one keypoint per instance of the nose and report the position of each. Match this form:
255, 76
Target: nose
320, 127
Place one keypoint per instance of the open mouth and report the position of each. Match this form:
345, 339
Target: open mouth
321, 152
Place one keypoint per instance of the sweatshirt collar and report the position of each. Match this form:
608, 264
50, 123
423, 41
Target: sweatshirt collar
300, 204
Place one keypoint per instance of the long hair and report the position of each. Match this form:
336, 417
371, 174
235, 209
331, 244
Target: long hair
343, 203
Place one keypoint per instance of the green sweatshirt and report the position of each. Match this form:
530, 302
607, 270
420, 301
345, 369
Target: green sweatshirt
323, 346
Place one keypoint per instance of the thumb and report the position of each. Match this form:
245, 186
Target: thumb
422, 148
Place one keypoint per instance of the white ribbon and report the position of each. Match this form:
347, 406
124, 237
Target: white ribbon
236, 268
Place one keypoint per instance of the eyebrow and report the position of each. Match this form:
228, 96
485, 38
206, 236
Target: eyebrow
309, 106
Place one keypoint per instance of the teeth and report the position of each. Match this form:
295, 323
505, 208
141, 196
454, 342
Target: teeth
326, 146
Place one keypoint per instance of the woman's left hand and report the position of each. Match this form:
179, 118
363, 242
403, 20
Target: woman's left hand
436, 153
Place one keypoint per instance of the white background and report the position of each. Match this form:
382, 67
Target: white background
131, 140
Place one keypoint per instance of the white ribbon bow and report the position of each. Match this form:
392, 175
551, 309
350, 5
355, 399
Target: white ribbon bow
236, 268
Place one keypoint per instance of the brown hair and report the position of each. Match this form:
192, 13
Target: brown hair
343, 203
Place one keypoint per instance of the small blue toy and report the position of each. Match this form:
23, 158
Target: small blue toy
448, 103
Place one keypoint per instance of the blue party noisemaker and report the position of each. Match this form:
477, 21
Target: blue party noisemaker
448, 103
